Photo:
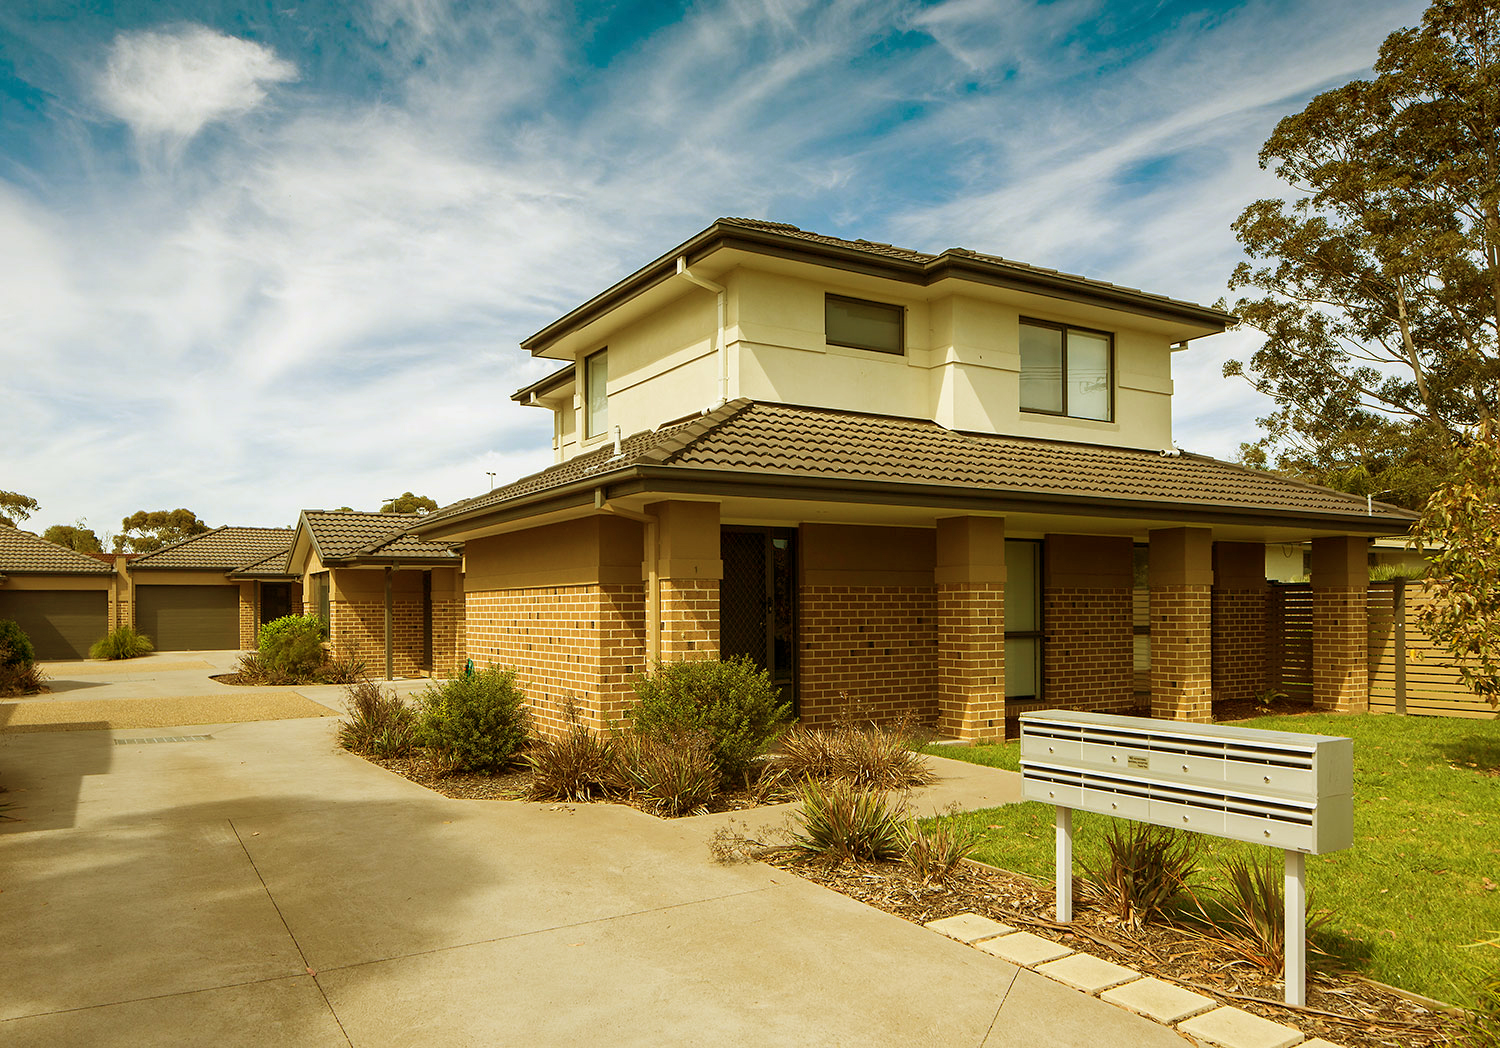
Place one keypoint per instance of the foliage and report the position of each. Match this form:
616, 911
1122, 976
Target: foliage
1381, 279
143, 532
81, 539
341, 669
871, 756
15, 646
733, 702
669, 776
476, 723
932, 851
379, 724
122, 642
15, 507
841, 821
579, 766
1411, 892
1247, 912
1461, 529
20, 678
1481, 1026
409, 503
291, 648
1144, 872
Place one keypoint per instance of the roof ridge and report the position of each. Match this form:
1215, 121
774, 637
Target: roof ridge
178, 542
664, 451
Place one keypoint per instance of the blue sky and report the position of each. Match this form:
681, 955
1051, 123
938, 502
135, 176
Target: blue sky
266, 257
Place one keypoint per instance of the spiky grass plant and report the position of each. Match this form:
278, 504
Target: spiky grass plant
579, 766
1144, 872
671, 775
934, 851
1247, 913
379, 724
867, 755
122, 642
841, 821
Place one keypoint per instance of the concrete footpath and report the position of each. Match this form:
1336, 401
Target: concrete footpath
252, 884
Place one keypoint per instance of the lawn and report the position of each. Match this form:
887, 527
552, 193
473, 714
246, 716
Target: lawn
1420, 881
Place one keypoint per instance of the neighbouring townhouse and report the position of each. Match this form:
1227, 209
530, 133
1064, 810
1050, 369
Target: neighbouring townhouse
942, 483
390, 599
65, 601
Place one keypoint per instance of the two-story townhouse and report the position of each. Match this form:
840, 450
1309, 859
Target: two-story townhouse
899, 481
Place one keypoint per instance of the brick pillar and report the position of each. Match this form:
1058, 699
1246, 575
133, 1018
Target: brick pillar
970, 579
1181, 576
1088, 656
688, 573
1340, 579
1239, 620
249, 626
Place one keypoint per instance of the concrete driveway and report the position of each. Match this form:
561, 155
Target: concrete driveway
252, 884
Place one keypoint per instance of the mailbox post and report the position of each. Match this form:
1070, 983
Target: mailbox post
1278, 788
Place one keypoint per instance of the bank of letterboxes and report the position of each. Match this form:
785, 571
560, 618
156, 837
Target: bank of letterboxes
1277, 788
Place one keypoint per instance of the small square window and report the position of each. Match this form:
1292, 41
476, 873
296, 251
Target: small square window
596, 394
853, 322
1066, 371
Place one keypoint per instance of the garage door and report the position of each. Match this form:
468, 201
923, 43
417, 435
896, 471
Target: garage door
189, 618
61, 623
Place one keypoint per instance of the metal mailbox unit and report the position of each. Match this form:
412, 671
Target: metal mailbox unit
1278, 788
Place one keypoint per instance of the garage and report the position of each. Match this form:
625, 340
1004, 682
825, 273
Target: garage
62, 624
189, 618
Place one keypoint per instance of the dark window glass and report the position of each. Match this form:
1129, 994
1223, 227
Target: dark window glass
858, 324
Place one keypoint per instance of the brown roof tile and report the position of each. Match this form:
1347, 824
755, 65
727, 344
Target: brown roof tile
768, 442
221, 549
343, 536
22, 553
277, 565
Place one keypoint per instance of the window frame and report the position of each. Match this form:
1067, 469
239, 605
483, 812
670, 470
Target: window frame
1064, 329
829, 296
587, 385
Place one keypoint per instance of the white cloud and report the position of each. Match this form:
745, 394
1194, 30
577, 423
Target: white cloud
171, 83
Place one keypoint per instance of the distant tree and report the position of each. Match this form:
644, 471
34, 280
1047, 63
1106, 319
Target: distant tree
1460, 532
76, 538
409, 503
344, 509
15, 507
1379, 281
143, 531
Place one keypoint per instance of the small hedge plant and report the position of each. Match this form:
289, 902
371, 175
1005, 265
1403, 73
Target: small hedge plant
291, 647
122, 642
475, 723
732, 704
16, 651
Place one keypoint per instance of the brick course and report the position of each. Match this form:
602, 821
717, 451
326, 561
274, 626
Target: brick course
867, 649
689, 619
1239, 642
1088, 656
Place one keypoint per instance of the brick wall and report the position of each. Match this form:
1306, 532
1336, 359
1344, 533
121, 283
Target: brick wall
571, 646
689, 619
1340, 650
1239, 642
357, 630
447, 637
1088, 658
877, 645
249, 627
1181, 656
971, 660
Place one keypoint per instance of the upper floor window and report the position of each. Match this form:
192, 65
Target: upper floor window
858, 324
595, 394
1066, 371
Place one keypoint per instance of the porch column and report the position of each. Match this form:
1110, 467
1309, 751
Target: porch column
688, 574
1181, 577
1088, 614
1340, 579
1239, 620
970, 579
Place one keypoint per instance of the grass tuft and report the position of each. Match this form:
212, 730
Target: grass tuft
122, 642
841, 821
379, 724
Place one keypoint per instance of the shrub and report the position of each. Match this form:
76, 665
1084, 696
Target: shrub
475, 723
1144, 871
379, 724
15, 646
841, 821
345, 669
933, 852
122, 642
733, 703
291, 648
25, 679
670, 776
1248, 914
580, 766
871, 756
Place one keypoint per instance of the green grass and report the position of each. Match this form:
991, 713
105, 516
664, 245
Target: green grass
1410, 893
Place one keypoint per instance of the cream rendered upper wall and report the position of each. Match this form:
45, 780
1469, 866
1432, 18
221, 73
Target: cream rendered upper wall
961, 366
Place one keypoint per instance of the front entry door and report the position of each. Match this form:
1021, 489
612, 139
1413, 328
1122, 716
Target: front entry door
758, 600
